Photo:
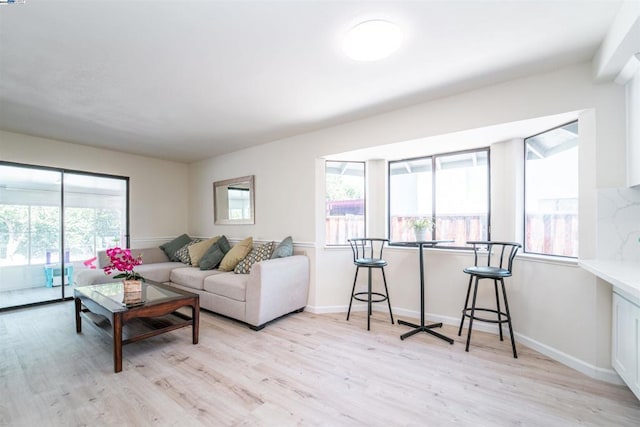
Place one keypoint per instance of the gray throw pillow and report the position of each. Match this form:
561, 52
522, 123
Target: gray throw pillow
224, 244
212, 257
170, 248
284, 249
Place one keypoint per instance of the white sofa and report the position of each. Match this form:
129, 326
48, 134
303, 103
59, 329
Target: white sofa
272, 289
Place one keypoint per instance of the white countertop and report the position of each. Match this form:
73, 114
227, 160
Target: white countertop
623, 275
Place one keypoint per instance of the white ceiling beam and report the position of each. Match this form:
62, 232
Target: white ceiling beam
620, 45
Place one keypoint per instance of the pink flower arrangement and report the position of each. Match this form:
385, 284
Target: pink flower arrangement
122, 260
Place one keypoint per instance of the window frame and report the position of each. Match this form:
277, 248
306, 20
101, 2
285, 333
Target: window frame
433, 157
524, 194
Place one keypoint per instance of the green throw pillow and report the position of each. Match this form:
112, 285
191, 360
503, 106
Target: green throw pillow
170, 248
284, 249
212, 257
224, 244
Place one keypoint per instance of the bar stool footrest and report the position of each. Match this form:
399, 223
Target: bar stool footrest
466, 313
382, 298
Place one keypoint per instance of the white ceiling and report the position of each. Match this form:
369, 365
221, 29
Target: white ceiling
184, 80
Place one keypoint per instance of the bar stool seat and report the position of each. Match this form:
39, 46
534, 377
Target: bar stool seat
364, 255
501, 269
370, 262
488, 272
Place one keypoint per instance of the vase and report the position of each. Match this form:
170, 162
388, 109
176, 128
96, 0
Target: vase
131, 286
421, 234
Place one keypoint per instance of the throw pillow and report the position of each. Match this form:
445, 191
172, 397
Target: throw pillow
233, 257
183, 253
212, 257
198, 249
284, 249
257, 254
170, 248
224, 244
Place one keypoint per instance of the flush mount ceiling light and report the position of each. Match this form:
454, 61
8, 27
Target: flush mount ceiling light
372, 40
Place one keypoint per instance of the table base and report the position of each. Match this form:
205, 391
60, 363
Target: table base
423, 328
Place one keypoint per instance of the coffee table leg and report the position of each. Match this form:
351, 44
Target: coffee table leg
78, 319
117, 342
195, 327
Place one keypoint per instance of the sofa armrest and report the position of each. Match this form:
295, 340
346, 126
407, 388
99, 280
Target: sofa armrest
276, 287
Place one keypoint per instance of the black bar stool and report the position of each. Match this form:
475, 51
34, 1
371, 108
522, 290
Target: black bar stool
367, 252
500, 269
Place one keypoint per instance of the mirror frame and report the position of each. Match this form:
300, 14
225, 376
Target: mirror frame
219, 186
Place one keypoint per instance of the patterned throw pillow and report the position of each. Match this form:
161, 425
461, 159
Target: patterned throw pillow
257, 254
182, 254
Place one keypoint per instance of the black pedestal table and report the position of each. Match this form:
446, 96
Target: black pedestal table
422, 327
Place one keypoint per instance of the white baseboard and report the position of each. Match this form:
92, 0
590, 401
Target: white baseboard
324, 309
607, 375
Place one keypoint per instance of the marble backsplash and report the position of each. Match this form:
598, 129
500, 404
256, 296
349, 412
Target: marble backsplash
619, 224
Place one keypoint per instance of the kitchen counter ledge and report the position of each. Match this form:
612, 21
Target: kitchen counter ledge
623, 275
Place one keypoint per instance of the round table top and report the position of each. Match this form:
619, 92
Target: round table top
421, 243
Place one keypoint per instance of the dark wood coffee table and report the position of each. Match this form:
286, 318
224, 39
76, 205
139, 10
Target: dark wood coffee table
153, 312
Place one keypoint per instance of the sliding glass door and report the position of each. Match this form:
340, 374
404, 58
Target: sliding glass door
52, 224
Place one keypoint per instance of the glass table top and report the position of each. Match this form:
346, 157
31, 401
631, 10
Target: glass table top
112, 296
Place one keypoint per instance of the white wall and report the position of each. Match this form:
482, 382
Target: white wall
633, 129
555, 305
158, 188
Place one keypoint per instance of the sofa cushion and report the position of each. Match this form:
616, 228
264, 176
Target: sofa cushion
284, 249
191, 277
198, 249
233, 257
158, 272
214, 254
257, 254
170, 248
228, 285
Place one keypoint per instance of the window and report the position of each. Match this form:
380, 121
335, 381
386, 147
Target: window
30, 215
551, 192
410, 197
345, 208
452, 189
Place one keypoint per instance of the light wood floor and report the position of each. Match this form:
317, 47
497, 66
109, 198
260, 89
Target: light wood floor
304, 369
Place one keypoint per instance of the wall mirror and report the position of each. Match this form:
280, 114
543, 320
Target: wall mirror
233, 201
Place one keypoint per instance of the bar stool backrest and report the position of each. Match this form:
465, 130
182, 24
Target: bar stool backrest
502, 253
368, 248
